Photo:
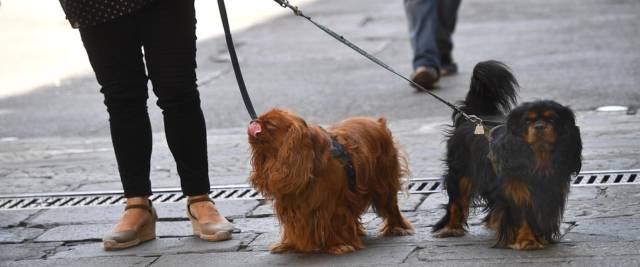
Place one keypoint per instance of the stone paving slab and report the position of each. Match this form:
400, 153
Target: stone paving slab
609, 261
372, 256
445, 252
109, 214
15, 217
257, 225
88, 232
230, 208
598, 203
160, 246
264, 241
265, 209
10, 252
433, 203
410, 202
77, 215
608, 229
19, 234
84, 262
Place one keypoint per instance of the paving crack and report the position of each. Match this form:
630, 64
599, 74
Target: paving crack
153, 261
410, 253
572, 224
48, 253
243, 247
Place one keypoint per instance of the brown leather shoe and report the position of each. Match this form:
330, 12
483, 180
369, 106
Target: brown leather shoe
130, 238
219, 231
447, 65
426, 77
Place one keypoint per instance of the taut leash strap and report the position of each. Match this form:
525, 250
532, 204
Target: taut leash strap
340, 38
234, 60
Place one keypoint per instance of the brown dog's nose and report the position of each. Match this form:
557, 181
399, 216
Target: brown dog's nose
254, 128
539, 126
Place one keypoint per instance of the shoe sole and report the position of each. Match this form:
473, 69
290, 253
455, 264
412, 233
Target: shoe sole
218, 236
148, 235
425, 79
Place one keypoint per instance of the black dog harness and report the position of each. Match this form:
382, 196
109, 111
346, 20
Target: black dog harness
338, 152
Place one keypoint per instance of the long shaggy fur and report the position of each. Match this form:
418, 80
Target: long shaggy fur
522, 174
292, 164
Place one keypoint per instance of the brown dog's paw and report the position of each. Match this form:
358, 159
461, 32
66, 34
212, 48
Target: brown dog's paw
527, 244
397, 231
449, 232
280, 248
341, 249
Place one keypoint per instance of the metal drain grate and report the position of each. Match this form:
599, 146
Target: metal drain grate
604, 178
108, 198
238, 192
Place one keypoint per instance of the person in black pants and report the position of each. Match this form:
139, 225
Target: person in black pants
114, 32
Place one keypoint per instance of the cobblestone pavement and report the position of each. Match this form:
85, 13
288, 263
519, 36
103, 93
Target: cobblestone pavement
611, 141
601, 226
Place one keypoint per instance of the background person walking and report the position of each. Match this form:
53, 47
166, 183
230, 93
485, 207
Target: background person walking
431, 24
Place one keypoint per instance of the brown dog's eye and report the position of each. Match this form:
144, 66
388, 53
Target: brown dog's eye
270, 125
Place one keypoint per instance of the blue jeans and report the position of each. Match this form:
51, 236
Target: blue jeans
431, 23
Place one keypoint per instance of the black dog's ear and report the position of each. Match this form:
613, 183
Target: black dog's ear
512, 154
568, 152
516, 121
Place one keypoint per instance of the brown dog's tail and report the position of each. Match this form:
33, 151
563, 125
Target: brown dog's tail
405, 172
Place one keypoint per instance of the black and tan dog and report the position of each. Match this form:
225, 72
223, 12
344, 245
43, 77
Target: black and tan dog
521, 171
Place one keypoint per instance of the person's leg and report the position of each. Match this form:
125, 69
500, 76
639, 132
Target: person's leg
447, 18
423, 23
169, 41
115, 55
114, 51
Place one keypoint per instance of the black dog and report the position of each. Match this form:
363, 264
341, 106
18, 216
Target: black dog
521, 170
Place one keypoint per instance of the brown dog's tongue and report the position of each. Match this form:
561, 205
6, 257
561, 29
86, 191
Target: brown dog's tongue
254, 129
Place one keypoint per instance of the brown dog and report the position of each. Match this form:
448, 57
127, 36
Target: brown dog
318, 198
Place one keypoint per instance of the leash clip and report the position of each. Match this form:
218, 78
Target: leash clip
479, 130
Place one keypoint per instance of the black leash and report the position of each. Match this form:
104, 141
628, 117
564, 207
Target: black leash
480, 128
234, 61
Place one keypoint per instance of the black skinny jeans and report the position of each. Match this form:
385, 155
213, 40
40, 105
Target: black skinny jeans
166, 30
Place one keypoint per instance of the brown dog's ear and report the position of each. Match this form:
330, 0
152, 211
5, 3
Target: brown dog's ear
294, 166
